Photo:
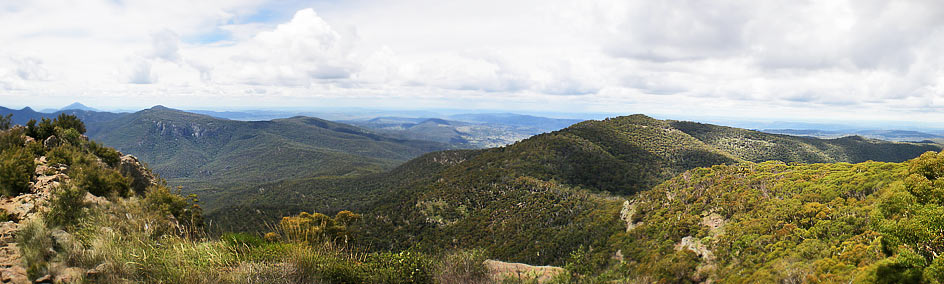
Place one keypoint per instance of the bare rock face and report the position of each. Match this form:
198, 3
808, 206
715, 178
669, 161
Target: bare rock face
51, 141
141, 175
626, 214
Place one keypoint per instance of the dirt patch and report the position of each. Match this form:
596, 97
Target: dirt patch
506, 270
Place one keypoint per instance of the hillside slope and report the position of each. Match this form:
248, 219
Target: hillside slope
538, 200
195, 149
758, 146
869, 222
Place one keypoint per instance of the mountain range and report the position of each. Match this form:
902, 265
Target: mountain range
540, 199
625, 198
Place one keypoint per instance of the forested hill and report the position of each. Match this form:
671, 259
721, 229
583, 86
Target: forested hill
759, 146
188, 148
540, 199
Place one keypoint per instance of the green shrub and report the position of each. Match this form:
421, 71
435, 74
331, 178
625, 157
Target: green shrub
465, 266
65, 154
36, 148
317, 227
6, 121
109, 156
36, 247
42, 131
186, 210
242, 240
333, 265
68, 121
47, 127
12, 139
16, 170
69, 135
101, 181
66, 206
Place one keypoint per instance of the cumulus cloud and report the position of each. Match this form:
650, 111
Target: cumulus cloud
165, 45
139, 71
601, 55
298, 53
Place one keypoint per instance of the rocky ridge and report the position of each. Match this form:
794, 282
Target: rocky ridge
21, 209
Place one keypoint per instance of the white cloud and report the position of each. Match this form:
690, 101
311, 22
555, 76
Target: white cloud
140, 71
165, 45
766, 57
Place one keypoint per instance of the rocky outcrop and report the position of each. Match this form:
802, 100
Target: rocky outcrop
142, 177
627, 213
51, 142
20, 210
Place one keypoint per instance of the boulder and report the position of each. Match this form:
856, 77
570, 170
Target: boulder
70, 275
51, 142
141, 176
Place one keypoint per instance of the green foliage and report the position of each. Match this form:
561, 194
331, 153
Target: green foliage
16, 170
47, 127
42, 131
68, 121
463, 266
36, 247
109, 156
66, 206
317, 227
242, 240
185, 210
102, 181
11, 139
65, 154
69, 135
334, 265
582, 262
6, 121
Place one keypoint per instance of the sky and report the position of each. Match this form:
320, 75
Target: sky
789, 59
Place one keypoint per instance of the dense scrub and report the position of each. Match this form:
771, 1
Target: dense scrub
772, 222
539, 200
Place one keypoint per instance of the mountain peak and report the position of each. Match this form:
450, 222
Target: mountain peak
77, 106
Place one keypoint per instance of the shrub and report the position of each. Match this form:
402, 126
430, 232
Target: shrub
317, 227
47, 127
65, 154
42, 131
11, 139
109, 156
100, 181
36, 148
272, 237
462, 267
16, 170
6, 121
69, 135
242, 240
186, 211
36, 247
331, 264
66, 206
68, 121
